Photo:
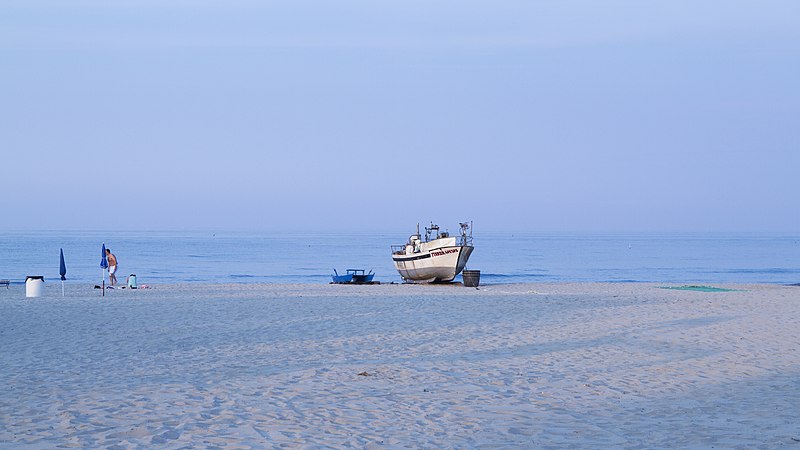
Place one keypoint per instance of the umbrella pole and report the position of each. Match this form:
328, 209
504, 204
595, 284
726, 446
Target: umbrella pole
62, 288
103, 273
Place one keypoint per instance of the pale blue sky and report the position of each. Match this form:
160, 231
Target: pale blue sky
519, 115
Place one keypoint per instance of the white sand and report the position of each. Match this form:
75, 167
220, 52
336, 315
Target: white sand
505, 366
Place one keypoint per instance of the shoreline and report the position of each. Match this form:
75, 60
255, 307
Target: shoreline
454, 284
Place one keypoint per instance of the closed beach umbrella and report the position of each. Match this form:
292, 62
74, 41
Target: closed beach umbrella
103, 266
103, 260
62, 269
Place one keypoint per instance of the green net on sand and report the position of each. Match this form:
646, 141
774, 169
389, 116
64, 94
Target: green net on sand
697, 288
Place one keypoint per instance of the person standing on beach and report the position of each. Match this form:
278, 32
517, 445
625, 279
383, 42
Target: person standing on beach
112, 267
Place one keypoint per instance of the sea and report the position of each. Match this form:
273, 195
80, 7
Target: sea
159, 257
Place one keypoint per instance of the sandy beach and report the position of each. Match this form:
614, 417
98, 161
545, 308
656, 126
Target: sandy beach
577, 365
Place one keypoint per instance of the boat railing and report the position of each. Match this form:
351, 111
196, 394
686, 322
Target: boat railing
398, 249
466, 234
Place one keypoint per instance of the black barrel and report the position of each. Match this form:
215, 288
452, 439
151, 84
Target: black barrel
472, 278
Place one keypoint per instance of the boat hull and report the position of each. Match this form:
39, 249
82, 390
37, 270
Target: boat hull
437, 265
363, 278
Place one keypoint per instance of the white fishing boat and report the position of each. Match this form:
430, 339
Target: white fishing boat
437, 258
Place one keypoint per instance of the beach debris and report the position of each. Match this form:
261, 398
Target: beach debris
365, 374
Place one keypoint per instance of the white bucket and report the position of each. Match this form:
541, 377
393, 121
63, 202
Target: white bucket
33, 286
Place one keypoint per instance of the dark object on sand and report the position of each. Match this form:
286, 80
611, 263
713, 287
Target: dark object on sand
472, 278
364, 374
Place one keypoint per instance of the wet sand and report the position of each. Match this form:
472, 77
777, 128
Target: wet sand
387, 366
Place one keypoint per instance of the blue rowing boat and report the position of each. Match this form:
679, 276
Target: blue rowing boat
352, 276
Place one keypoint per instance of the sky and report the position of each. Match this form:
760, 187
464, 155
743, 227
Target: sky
566, 116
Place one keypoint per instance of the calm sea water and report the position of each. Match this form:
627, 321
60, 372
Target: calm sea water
163, 257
